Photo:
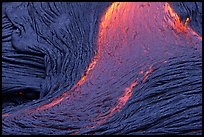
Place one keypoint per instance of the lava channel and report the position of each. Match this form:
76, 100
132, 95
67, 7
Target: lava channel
132, 38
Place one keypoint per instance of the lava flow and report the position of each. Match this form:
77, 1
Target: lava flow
133, 37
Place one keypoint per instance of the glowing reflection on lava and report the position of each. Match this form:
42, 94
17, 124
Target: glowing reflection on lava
108, 26
53, 103
127, 34
90, 67
123, 99
5, 115
147, 73
179, 26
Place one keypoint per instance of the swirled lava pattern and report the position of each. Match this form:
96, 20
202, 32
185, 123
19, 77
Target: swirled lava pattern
134, 39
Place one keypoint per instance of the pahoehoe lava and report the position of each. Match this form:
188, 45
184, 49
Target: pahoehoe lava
101, 68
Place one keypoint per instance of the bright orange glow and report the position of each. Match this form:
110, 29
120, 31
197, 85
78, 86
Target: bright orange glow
182, 27
121, 101
79, 83
53, 103
90, 67
117, 28
172, 13
5, 115
178, 25
187, 20
147, 73
109, 13
131, 38
108, 22
127, 94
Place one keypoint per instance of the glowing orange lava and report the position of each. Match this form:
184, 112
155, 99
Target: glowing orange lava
5, 115
187, 20
106, 23
177, 24
90, 67
51, 104
123, 99
79, 83
147, 73
131, 37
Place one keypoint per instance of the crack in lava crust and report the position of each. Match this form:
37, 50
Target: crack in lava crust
133, 39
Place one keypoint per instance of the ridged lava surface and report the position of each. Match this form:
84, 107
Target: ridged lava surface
134, 68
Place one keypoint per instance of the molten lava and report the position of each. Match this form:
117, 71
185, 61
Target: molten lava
122, 100
53, 103
5, 115
147, 73
131, 37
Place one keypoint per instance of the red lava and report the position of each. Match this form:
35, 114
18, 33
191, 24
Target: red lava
132, 35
